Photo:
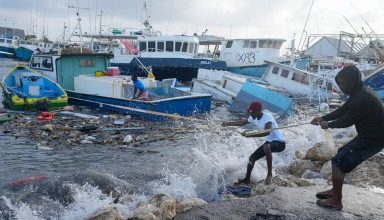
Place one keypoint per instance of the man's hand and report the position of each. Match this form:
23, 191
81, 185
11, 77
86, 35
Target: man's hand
324, 125
316, 120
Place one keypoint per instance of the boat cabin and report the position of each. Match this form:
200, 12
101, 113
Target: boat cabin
250, 52
299, 82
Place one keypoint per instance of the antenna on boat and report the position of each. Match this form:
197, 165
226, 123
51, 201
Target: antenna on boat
78, 26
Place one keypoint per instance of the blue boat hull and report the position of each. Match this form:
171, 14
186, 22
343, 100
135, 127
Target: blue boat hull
184, 106
165, 68
7, 50
376, 82
23, 53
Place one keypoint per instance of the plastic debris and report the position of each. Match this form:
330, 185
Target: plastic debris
128, 139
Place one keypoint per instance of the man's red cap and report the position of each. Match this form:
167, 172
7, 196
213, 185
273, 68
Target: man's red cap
255, 106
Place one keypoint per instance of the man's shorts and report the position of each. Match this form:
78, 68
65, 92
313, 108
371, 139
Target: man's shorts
355, 152
276, 146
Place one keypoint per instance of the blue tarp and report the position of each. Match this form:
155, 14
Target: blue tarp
272, 101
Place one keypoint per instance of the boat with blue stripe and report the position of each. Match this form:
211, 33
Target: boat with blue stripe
79, 75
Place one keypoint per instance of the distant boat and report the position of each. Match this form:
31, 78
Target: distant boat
246, 56
7, 46
168, 56
77, 74
25, 89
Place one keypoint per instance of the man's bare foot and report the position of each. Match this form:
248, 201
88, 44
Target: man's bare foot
330, 203
325, 194
268, 180
243, 181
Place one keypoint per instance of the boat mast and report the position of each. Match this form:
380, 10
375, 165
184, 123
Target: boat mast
78, 26
305, 26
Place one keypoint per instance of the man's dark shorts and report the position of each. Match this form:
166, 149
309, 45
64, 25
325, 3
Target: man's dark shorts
276, 146
355, 152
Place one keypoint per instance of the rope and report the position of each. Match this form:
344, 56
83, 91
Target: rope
279, 128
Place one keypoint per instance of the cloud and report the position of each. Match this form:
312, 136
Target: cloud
228, 18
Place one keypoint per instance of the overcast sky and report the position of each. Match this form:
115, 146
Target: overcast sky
227, 18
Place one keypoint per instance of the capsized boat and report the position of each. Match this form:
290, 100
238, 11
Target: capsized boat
24, 88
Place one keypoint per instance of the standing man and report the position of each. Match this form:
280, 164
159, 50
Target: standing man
364, 110
139, 91
275, 139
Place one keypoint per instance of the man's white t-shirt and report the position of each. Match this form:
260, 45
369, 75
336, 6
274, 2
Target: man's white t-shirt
275, 135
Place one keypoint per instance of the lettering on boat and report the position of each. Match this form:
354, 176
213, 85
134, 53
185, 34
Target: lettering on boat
246, 57
205, 62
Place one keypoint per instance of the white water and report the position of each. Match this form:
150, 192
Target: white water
219, 157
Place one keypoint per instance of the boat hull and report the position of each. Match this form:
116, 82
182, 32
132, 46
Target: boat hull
184, 106
165, 68
42, 93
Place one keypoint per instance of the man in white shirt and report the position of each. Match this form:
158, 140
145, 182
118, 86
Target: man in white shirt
275, 139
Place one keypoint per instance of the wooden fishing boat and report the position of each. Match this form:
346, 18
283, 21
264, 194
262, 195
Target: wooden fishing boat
24, 88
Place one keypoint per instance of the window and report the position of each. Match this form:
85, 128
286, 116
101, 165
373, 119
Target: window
275, 70
185, 47
253, 44
151, 46
9, 41
263, 44
270, 44
143, 46
87, 63
177, 46
301, 78
277, 44
246, 44
169, 46
284, 73
190, 49
229, 44
160, 46
2, 40
36, 62
46, 63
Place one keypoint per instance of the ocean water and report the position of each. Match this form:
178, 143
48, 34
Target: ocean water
194, 166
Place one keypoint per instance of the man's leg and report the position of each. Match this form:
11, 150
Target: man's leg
268, 156
259, 153
337, 182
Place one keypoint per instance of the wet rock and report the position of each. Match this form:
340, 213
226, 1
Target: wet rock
110, 213
146, 211
369, 173
141, 137
128, 139
301, 182
298, 167
320, 152
292, 203
310, 174
299, 154
326, 170
166, 204
187, 204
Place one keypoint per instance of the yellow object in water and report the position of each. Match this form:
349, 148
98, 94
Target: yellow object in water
100, 73
150, 75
